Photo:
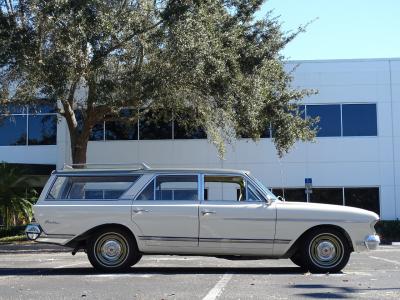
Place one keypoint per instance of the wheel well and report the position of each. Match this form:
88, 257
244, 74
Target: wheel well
293, 249
80, 241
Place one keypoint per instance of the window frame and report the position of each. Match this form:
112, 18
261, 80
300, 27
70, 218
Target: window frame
247, 181
46, 198
153, 179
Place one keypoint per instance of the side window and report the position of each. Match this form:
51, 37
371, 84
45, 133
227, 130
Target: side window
90, 187
253, 194
147, 193
171, 187
227, 188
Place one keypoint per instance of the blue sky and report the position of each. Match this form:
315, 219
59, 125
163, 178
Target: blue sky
344, 28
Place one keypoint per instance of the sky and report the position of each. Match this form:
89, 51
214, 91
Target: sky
342, 29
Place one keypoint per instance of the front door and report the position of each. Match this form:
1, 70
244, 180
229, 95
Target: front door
235, 218
166, 211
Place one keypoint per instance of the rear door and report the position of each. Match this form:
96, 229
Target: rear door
166, 211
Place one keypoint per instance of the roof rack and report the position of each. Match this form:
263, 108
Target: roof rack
136, 166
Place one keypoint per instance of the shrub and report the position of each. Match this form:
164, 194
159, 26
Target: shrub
11, 231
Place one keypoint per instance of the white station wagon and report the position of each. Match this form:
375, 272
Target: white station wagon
118, 215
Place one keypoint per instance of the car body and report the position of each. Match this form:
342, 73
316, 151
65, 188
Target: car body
118, 215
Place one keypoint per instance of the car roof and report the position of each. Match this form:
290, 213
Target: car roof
127, 171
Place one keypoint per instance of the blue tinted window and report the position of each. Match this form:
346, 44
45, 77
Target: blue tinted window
182, 132
42, 130
329, 119
12, 130
97, 132
43, 108
153, 128
302, 111
115, 194
359, 120
95, 194
13, 109
121, 130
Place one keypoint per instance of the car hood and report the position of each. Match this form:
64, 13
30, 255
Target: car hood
327, 212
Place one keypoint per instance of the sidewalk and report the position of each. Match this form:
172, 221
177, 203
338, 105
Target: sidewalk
31, 247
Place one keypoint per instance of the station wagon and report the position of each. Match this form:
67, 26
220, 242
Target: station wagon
117, 215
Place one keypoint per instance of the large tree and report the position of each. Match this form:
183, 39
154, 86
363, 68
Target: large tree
211, 58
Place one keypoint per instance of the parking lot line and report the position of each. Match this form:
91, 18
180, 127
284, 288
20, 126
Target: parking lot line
386, 260
216, 291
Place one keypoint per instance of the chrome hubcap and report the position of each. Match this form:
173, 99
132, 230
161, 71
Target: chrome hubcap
111, 249
326, 250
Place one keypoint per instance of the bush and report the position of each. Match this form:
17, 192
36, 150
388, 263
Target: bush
389, 231
12, 231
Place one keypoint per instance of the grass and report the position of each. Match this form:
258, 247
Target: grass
12, 239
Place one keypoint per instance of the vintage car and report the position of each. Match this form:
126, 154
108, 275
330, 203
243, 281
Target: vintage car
117, 215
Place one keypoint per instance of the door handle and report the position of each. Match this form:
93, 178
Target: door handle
140, 210
208, 212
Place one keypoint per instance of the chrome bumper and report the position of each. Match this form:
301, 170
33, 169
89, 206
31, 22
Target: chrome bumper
372, 242
33, 231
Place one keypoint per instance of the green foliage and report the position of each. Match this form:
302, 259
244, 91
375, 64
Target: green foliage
16, 195
389, 231
211, 58
12, 231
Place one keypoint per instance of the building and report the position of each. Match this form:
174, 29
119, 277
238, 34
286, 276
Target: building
354, 161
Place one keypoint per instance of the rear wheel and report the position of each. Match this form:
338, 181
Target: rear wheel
325, 250
298, 260
112, 249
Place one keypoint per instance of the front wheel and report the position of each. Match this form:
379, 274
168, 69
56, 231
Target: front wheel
112, 250
325, 250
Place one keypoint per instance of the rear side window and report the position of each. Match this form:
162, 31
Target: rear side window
90, 188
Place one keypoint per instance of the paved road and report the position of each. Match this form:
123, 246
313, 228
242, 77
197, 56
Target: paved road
33, 274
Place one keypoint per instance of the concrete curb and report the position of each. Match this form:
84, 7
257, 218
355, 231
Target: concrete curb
31, 247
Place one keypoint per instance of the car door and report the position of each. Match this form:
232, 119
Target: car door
166, 211
234, 217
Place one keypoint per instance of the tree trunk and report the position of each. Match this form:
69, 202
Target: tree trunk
78, 150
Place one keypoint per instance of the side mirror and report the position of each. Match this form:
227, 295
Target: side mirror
281, 198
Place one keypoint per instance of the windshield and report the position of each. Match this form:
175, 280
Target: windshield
269, 194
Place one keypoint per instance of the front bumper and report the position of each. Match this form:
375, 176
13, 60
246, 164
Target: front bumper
372, 242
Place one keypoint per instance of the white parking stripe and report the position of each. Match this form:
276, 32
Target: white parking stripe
216, 291
70, 265
386, 260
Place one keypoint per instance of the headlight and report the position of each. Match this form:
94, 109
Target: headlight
33, 231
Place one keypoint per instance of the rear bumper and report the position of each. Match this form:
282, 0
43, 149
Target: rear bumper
35, 233
372, 242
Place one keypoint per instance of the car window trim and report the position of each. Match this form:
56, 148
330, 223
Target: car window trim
154, 177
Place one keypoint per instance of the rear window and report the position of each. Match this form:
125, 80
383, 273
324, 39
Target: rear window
90, 188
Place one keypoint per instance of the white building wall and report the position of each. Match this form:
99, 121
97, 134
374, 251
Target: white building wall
330, 161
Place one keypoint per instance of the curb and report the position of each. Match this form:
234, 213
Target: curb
31, 247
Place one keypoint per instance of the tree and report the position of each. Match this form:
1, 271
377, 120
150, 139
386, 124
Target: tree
211, 58
16, 195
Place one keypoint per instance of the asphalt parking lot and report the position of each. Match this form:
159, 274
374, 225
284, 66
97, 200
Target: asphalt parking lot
28, 273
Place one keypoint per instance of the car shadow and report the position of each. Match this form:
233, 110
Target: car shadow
150, 271
333, 291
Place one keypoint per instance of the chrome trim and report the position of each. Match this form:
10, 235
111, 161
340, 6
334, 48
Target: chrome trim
251, 219
214, 240
168, 238
242, 241
324, 221
372, 241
